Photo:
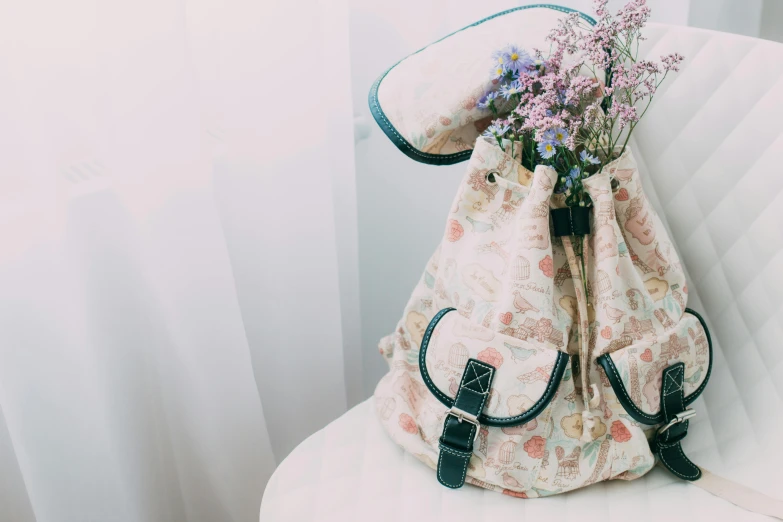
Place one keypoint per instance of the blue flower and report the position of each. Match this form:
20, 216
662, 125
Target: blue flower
510, 89
516, 59
559, 135
588, 159
499, 57
495, 130
572, 175
547, 149
567, 181
485, 100
497, 72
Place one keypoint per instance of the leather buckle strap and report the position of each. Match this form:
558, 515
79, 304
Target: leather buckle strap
680, 417
669, 437
461, 425
463, 416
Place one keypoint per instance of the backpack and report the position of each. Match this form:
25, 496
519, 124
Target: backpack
517, 367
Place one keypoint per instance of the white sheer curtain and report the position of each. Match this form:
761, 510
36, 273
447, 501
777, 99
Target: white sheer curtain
177, 291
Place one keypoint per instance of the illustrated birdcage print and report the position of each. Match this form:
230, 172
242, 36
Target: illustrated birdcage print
604, 284
507, 208
567, 466
520, 269
386, 407
507, 452
458, 356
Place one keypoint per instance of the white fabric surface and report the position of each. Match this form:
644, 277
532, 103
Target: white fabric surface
158, 219
351, 471
710, 148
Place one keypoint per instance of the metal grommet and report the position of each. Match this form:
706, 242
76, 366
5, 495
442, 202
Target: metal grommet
615, 184
491, 176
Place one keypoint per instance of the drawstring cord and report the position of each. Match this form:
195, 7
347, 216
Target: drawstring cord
579, 276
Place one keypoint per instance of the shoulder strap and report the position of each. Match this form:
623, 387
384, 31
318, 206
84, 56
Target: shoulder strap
668, 445
739, 495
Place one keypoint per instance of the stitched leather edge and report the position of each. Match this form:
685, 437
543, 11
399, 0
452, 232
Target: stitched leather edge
403, 144
554, 383
618, 385
666, 386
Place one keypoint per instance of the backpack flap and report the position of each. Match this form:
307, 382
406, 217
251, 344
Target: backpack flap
427, 103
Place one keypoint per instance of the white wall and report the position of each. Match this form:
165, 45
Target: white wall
402, 204
772, 20
731, 16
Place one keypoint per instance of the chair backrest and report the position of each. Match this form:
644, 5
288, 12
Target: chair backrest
712, 149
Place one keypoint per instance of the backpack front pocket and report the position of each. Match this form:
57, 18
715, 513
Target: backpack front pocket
527, 373
514, 417
635, 372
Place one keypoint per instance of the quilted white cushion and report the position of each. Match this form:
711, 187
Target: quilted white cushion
352, 471
711, 149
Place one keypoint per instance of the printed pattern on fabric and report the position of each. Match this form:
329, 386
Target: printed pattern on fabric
641, 365
527, 367
516, 307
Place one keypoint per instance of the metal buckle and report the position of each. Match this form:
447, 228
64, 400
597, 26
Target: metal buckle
462, 415
680, 417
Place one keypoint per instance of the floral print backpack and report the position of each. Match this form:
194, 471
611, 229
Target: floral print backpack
543, 349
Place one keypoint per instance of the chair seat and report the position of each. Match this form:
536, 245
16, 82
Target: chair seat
352, 471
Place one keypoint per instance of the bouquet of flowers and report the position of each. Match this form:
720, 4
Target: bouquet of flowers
559, 111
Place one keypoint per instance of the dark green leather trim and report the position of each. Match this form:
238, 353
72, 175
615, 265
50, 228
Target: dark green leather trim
401, 143
638, 415
456, 442
551, 388
668, 444
570, 221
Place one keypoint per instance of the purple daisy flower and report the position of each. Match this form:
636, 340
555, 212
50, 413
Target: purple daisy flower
567, 181
499, 57
496, 130
485, 101
559, 135
588, 159
547, 149
510, 89
517, 59
497, 72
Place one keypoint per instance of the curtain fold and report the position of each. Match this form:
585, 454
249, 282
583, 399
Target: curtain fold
173, 295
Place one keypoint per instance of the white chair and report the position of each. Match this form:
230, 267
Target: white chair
712, 151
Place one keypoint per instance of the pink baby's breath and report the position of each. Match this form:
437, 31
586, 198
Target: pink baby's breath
671, 62
582, 98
